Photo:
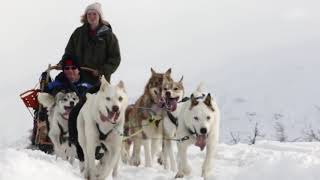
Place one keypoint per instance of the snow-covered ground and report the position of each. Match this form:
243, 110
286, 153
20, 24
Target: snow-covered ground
260, 60
267, 160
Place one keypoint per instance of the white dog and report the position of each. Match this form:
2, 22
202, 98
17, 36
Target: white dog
199, 120
100, 130
59, 108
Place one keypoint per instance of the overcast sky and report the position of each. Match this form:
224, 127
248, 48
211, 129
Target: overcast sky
266, 52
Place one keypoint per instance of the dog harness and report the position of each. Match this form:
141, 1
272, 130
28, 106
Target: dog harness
63, 135
102, 136
173, 119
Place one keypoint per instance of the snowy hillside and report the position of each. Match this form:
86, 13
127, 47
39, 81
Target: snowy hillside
265, 161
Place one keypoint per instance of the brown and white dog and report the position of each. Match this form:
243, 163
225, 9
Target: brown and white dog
173, 93
144, 120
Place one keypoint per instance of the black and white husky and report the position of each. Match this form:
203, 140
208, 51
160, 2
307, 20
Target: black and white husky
59, 108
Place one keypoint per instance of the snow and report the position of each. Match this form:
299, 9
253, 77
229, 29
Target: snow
260, 60
264, 161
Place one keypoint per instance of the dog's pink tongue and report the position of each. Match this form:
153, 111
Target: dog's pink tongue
201, 141
66, 116
103, 118
174, 106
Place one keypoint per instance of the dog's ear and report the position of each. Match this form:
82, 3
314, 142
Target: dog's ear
47, 100
121, 85
168, 72
60, 95
180, 81
194, 101
208, 102
153, 72
200, 87
104, 83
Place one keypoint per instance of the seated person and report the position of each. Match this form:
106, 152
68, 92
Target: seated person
69, 78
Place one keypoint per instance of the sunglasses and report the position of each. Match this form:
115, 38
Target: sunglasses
70, 67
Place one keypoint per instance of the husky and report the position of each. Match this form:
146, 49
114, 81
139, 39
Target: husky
172, 93
59, 108
144, 118
100, 130
199, 120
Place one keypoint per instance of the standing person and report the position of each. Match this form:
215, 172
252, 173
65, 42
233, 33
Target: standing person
95, 44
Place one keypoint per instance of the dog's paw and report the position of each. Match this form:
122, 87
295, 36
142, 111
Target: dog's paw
179, 175
160, 160
135, 161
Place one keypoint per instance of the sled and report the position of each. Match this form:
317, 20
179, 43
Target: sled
39, 137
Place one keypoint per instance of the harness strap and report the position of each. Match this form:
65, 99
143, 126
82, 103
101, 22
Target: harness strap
188, 98
100, 151
101, 135
63, 138
173, 119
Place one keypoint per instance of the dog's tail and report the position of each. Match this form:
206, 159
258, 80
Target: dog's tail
200, 87
199, 91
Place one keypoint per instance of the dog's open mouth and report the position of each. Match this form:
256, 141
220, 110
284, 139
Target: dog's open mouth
171, 103
201, 141
112, 116
168, 103
67, 111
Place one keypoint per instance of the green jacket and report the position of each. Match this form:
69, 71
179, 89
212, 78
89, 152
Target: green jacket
100, 52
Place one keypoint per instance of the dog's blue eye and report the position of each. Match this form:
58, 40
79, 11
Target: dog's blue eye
196, 118
108, 98
120, 98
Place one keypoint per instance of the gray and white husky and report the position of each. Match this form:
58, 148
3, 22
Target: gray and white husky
59, 108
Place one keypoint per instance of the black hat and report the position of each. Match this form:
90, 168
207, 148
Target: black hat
68, 60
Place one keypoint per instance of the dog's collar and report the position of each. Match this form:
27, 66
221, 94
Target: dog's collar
101, 135
63, 134
173, 119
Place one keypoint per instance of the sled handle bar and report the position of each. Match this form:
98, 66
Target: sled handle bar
57, 67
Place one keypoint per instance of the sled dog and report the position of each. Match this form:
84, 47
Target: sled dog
59, 108
199, 120
144, 120
100, 130
172, 93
